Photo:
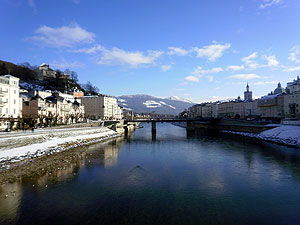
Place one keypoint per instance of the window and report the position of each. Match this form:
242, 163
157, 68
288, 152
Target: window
15, 91
14, 111
15, 101
6, 110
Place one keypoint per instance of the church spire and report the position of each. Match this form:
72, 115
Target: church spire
247, 94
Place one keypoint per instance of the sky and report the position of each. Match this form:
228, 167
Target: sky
200, 50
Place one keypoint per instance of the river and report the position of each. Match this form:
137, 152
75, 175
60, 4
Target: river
175, 179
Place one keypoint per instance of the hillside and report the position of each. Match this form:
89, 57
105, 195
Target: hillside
29, 78
147, 104
24, 73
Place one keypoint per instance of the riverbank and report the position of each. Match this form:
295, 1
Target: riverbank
59, 166
18, 146
287, 135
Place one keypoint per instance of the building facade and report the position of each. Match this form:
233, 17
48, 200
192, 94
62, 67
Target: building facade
52, 110
10, 101
101, 107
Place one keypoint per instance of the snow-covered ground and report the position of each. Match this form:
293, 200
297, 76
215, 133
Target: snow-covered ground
19, 145
284, 134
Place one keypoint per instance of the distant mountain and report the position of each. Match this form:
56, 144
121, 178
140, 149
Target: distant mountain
147, 104
176, 98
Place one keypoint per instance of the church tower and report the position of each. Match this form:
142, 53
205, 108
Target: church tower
247, 94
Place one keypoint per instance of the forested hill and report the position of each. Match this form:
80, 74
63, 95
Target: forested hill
22, 72
29, 78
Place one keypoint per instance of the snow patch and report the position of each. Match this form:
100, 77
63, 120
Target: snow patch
29, 86
284, 134
13, 149
152, 104
177, 98
121, 100
167, 105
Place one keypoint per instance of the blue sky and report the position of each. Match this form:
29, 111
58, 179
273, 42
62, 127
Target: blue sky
199, 50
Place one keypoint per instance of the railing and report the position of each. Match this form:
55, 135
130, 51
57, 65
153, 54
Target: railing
291, 122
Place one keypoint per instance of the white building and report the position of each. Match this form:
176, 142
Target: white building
293, 86
101, 107
10, 101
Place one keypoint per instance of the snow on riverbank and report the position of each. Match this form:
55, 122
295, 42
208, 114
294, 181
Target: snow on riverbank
284, 134
22, 146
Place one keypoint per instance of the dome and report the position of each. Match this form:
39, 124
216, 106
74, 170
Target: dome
279, 89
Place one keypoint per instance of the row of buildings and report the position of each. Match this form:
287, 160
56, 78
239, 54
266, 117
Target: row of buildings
280, 103
46, 108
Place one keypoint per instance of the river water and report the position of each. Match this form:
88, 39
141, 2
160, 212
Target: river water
174, 179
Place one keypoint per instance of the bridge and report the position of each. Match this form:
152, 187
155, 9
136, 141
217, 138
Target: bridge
153, 121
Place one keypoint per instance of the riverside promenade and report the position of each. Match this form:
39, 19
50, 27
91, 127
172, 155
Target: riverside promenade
16, 146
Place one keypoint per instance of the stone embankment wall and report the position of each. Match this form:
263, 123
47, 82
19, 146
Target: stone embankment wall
233, 125
130, 126
76, 125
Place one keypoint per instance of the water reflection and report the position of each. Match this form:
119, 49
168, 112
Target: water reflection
105, 154
176, 179
10, 198
102, 154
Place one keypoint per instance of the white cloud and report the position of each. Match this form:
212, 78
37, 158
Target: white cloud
248, 76
213, 70
269, 3
265, 82
199, 70
272, 61
292, 69
249, 57
198, 73
65, 36
192, 78
63, 64
295, 54
212, 52
117, 56
165, 68
249, 61
236, 68
251, 64
177, 51
95, 49
210, 78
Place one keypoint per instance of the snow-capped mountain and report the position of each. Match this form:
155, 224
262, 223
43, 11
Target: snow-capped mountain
147, 104
176, 98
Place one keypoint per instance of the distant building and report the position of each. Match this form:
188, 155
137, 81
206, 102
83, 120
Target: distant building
53, 109
294, 86
247, 94
292, 105
10, 101
76, 93
231, 109
101, 107
272, 105
279, 90
44, 71
47, 93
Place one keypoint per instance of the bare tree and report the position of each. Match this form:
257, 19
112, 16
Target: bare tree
90, 88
